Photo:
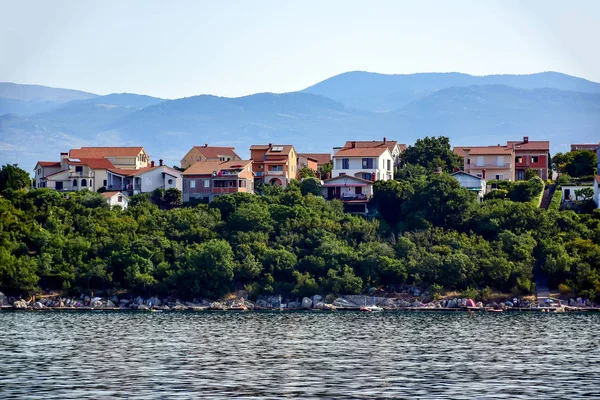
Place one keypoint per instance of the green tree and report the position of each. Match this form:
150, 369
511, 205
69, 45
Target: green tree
310, 185
306, 172
531, 173
14, 178
584, 193
431, 153
575, 163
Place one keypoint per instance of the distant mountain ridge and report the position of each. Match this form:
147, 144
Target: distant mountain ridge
29, 99
468, 114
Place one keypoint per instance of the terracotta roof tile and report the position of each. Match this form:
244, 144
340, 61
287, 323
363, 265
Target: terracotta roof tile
598, 179
49, 163
530, 145
208, 167
94, 163
361, 152
101, 152
483, 150
321, 158
286, 148
216, 151
108, 195
390, 144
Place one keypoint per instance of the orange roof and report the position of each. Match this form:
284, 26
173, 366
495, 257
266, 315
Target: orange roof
94, 163
108, 195
259, 147
320, 158
216, 151
361, 152
542, 145
390, 144
402, 147
208, 167
483, 150
49, 163
132, 172
101, 152
285, 149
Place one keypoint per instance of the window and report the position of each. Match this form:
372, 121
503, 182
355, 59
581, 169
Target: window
500, 161
345, 163
192, 184
342, 173
120, 199
170, 181
83, 182
389, 162
366, 177
75, 182
468, 161
104, 182
59, 186
480, 161
534, 159
79, 169
206, 183
277, 168
367, 163
358, 190
499, 177
39, 171
519, 159
242, 184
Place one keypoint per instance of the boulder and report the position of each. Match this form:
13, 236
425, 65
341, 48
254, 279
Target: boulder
479, 304
123, 302
20, 304
38, 305
317, 299
329, 307
307, 303
293, 304
97, 304
139, 300
215, 305
142, 307
319, 306
110, 304
262, 303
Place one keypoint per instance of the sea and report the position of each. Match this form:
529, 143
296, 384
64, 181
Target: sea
304, 355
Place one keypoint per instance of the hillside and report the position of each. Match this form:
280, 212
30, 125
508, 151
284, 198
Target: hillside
31, 99
381, 92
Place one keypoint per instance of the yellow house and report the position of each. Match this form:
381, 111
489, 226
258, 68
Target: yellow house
208, 153
488, 162
120, 157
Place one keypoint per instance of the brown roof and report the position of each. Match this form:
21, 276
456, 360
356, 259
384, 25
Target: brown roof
361, 152
216, 151
402, 147
390, 144
101, 152
94, 163
320, 158
285, 150
347, 176
259, 147
208, 167
108, 195
483, 150
49, 163
542, 145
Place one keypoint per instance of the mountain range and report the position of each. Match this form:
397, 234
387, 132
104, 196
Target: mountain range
38, 122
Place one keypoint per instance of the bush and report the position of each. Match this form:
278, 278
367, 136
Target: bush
527, 191
496, 194
556, 199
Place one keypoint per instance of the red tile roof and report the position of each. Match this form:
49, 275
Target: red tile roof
286, 148
483, 150
390, 144
101, 152
259, 147
320, 158
108, 195
542, 145
361, 152
94, 163
216, 151
208, 167
49, 163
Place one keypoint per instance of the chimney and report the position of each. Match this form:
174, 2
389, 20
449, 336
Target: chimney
205, 144
483, 171
466, 166
384, 140
270, 145
160, 162
152, 163
352, 144
525, 139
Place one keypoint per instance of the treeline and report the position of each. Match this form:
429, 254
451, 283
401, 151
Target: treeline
428, 232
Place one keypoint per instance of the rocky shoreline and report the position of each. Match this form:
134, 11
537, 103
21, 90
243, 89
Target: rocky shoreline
276, 302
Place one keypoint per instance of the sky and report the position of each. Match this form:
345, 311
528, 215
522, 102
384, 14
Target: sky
175, 49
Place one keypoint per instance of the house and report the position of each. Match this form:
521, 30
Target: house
208, 153
355, 192
143, 180
531, 155
206, 180
585, 146
368, 163
393, 146
71, 174
116, 199
121, 157
313, 160
471, 182
488, 162
274, 164
43, 169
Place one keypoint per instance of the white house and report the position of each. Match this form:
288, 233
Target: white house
116, 199
471, 182
356, 193
393, 146
368, 163
143, 180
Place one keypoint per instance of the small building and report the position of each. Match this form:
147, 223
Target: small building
274, 164
120, 157
530, 154
206, 180
356, 193
585, 146
208, 153
364, 162
393, 146
116, 199
471, 182
144, 180
488, 162
313, 160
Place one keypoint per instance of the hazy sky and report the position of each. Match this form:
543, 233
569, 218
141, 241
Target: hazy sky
182, 48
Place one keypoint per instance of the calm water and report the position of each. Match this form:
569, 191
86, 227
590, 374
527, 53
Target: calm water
62, 355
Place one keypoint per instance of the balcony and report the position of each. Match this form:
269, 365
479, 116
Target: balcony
350, 197
126, 187
81, 174
490, 165
274, 173
225, 190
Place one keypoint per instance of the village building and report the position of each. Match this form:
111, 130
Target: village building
116, 199
471, 182
204, 181
274, 164
355, 192
313, 160
488, 162
393, 146
208, 153
585, 146
530, 154
368, 163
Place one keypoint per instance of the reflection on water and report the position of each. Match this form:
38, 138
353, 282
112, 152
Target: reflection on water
62, 355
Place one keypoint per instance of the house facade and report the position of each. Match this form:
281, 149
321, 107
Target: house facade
356, 193
73, 174
208, 153
43, 169
368, 163
120, 157
144, 180
206, 180
530, 155
471, 182
313, 160
274, 164
393, 146
116, 199
488, 162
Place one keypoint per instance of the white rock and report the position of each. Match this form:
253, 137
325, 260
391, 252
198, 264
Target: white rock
20, 304
38, 305
307, 303
142, 307
110, 304
317, 299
